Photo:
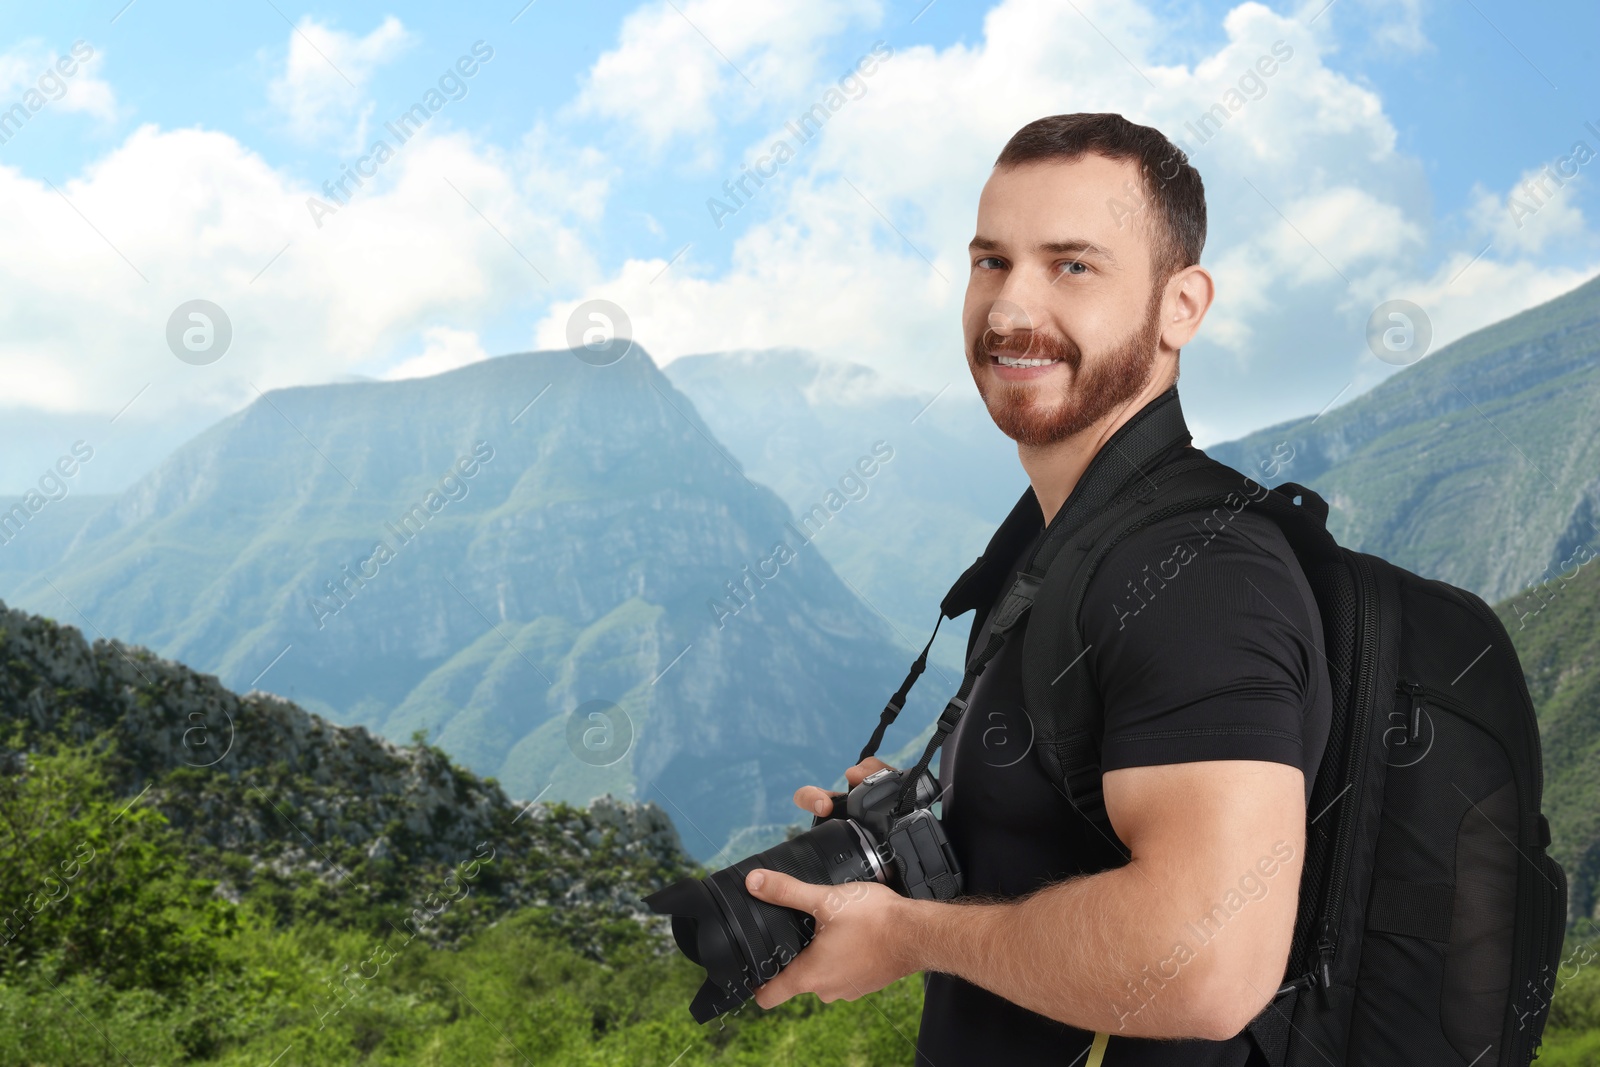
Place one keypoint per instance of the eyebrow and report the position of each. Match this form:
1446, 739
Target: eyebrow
1075, 247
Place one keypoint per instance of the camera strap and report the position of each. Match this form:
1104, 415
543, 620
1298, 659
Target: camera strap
891, 710
1015, 605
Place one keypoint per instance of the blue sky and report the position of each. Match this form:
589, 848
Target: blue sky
578, 161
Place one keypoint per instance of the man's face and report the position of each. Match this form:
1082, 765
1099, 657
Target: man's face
1055, 278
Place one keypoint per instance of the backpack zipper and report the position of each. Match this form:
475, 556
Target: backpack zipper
1339, 864
1427, 696
1418, 702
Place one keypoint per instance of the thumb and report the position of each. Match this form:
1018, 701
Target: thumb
854, 776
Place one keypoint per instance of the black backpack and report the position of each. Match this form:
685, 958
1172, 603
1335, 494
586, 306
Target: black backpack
1430, 917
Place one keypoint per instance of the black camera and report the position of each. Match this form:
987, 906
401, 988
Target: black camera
743, 942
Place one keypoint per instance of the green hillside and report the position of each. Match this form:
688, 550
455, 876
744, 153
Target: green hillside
190, 876
1556, 629
1479, 465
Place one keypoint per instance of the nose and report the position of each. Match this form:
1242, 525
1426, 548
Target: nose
1006, 318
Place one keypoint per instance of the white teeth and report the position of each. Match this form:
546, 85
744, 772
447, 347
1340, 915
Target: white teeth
1007, 361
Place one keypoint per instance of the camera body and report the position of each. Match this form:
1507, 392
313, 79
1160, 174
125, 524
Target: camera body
912, 855
743, 942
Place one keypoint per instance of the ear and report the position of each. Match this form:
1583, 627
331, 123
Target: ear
1188, 295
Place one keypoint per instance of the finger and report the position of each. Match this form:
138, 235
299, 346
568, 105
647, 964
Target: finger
772, 994
870, 765
785, 890
788, 983
814, 799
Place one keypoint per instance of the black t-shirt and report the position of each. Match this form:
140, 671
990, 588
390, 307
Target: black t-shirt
1214, 652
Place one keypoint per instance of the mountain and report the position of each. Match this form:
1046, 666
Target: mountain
1556, 629
1478, 466
800, 424
551, 568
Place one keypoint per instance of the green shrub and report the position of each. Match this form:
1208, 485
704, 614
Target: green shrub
94, 884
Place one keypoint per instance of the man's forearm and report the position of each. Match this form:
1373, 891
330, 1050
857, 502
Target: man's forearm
1111, 951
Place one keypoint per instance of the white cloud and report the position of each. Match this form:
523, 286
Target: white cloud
322, 90
1530, 214
1460, 299
202, 217
1396, 24
571, 179
32, 66
686, 67
445, 349
823, 271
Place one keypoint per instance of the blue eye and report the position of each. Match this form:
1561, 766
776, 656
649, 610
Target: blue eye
1068, 269
987, 259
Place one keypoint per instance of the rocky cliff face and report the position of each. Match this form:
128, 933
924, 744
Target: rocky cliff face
257, 777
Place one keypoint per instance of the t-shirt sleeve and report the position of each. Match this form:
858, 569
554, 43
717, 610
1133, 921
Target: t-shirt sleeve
1203, 642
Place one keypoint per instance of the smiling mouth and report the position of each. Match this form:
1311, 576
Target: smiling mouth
1019, 361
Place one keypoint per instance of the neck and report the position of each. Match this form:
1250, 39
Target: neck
1054, 469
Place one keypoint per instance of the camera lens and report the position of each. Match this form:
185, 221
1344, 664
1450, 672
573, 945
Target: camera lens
743, 942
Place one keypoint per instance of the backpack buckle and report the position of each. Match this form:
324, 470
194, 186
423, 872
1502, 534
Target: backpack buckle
1016, 603
950, 715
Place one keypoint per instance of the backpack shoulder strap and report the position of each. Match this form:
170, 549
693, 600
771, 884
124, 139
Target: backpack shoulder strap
1059, 688
1118, 465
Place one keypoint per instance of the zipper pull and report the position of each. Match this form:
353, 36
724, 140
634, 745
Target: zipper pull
1325, 956
1414, 726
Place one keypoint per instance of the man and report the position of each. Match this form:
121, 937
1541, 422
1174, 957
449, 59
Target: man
1158, 942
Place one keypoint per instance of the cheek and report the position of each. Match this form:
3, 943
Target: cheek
1104, 324
975, 308
974, 321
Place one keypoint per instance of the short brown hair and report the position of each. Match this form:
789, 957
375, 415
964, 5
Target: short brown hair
1170, 182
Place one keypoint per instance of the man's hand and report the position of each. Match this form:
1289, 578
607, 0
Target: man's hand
860, 945
817, 801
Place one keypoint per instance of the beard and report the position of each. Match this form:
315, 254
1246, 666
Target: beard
1097, 388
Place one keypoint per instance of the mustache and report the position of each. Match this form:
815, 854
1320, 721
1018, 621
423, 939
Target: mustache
1033, 343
